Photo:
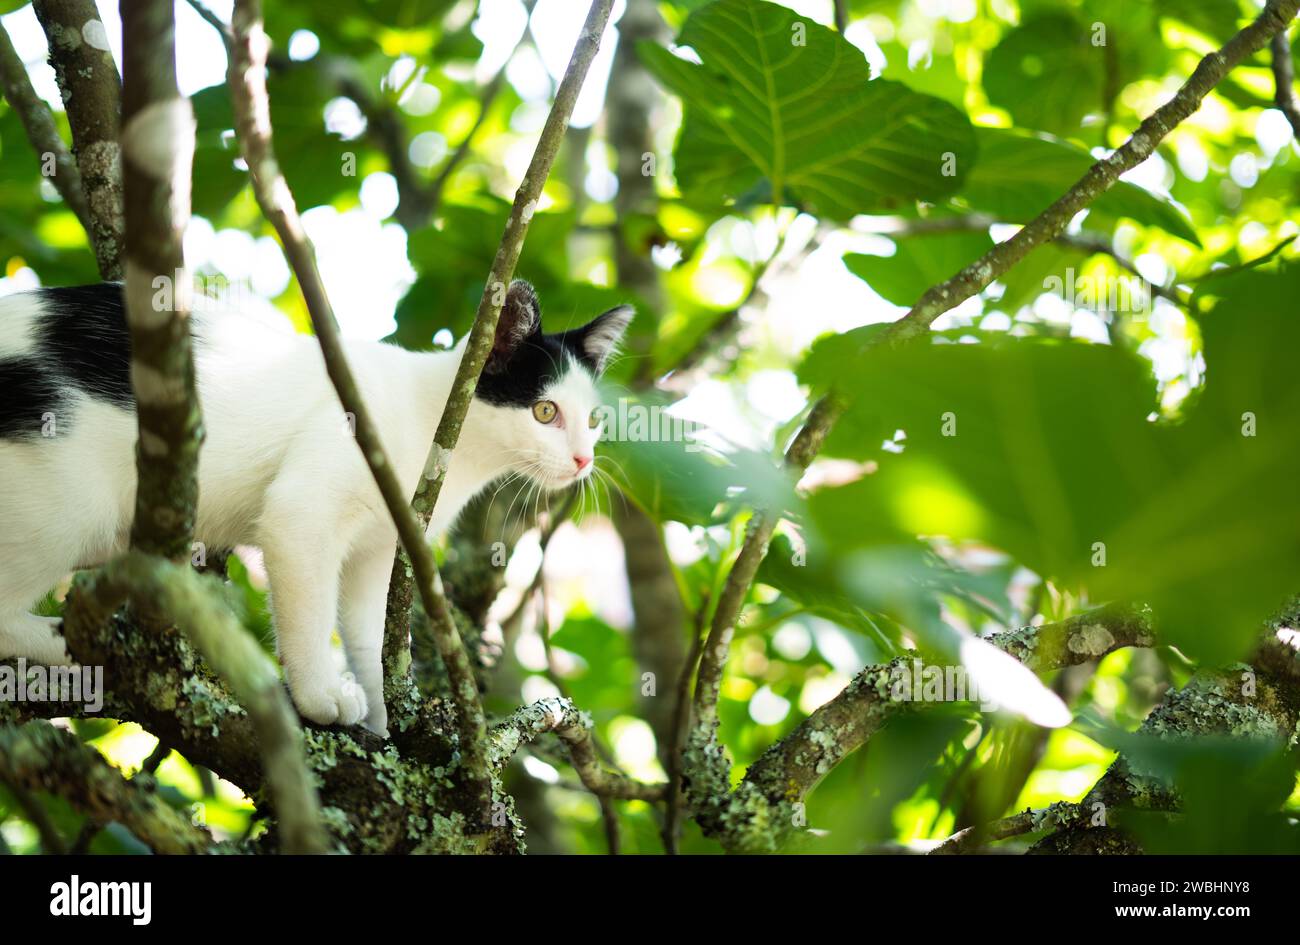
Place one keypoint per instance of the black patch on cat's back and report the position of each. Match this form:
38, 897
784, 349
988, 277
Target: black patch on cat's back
80, 343
28, 393
83, 332
537, 363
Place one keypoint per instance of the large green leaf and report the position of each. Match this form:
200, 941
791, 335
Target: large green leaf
1000, 445
1045, 449
1047, 73
781, 106
1019, 175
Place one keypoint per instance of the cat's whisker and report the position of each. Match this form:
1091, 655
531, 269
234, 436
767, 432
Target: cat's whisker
621, 471
512, 477
530, 480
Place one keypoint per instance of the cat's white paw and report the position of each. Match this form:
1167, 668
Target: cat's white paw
335, 700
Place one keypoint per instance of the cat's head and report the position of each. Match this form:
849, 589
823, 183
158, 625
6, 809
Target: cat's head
541, 387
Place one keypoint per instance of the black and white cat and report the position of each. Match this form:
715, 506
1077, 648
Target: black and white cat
279, 469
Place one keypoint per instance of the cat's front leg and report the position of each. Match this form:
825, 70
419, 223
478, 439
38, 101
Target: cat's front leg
364, 600
303, 563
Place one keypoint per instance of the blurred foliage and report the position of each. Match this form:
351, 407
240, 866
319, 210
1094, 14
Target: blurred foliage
782, 145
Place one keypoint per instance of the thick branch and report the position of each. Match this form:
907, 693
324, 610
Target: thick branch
1213, 703
41, 132
757, 816
797, 762
158, 150
1098, 179
254, 680
40, 757
88, 82
272, 734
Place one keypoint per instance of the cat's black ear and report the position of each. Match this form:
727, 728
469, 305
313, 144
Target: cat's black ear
599, 338
521, 319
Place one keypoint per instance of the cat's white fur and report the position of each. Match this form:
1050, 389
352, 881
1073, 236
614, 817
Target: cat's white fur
279, 470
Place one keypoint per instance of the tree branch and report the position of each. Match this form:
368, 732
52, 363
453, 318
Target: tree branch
1084, 241
272, 735
252, 112
1284, 81
41, 132
972, 839
1213, 703
1097, 180
758, 814
559, 715
158, 150
397, 623
254, 679
88, 82
713, 657
40, 757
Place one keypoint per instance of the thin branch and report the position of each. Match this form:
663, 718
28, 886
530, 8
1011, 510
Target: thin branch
716, 335
1085, 241
841, 15
41, 757
433, 194
713, 656
1097, 180
559, 715
417, 202
503, 265
432, 197
158, 150
91, 91
478, 346
211, 18
252, 112
680, 720
972, 839
1284, 81
41, 132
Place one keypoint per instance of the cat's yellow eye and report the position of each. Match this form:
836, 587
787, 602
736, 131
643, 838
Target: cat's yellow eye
544, 411
594, 420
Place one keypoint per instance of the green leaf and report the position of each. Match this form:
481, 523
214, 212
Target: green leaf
664, 465
780, 105
1000, 446
1047, 73
918, 263
1045, 450
1019, 175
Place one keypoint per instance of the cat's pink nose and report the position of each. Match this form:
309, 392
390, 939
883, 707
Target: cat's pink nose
581, 462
